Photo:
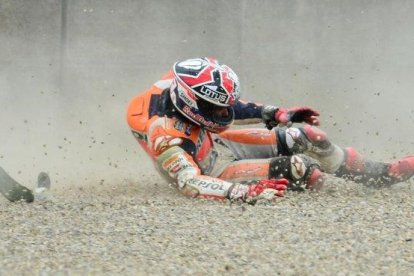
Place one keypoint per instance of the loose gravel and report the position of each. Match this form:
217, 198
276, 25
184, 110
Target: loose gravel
147, 227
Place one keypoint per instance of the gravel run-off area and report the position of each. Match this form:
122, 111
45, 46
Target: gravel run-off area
146, 227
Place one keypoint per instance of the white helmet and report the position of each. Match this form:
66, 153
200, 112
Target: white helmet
201, 86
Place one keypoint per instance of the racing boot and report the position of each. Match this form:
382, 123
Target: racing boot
402, 170
302, 171
356, 168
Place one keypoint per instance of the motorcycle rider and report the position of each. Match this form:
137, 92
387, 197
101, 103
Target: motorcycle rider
178, 119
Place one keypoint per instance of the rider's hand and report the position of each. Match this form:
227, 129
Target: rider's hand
297, 114
272, 116
265, 188
277, 187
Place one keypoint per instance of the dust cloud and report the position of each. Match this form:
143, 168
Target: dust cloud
69, 68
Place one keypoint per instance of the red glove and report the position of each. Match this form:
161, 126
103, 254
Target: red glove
297, 114
278, 185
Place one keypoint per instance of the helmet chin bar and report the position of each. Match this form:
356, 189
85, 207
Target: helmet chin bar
227, 120
211, 112
201, 121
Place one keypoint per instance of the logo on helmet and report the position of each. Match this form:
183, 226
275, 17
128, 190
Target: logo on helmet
206, 90
232, 77
197, 117
187, 97
193, 64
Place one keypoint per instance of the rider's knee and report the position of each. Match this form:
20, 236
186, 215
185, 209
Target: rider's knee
291, 141
311, 141
298, 140
297, 168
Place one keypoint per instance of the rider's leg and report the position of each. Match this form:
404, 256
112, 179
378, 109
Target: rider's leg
347, 163
300, 170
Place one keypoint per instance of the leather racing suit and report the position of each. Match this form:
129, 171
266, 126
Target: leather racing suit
184, 153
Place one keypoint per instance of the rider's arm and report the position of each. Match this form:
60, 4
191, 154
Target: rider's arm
247, 112
180, 166
253, 113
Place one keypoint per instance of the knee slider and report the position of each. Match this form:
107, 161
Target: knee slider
296, 168
291, 141
300, 166
299, 140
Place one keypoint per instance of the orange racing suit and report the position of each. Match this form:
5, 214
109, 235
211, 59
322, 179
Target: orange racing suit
184, 152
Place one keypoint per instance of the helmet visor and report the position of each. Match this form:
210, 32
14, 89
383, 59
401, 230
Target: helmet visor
222, 115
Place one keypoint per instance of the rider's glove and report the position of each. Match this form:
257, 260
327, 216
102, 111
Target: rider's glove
265, 188
272, 116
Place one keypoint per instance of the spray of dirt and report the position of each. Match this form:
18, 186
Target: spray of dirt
69, 69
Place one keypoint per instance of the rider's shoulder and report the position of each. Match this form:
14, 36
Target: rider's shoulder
176, 127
